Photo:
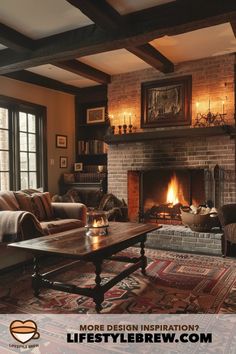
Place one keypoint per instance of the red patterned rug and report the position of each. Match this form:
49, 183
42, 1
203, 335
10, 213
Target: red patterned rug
175, 283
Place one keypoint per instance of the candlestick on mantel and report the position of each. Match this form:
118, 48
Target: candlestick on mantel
209, 105
130, 119
124, 119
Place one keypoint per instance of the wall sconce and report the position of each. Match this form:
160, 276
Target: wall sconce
210, 119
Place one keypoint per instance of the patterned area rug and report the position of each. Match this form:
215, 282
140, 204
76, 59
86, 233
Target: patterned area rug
175, 283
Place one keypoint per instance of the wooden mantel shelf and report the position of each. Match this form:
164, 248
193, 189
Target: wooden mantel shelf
171, 133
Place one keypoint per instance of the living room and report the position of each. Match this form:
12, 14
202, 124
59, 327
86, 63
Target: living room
128, 99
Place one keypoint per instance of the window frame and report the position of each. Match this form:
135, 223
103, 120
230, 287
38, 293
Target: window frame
15, 106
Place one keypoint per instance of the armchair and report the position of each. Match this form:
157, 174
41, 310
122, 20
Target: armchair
227, 216
116, 209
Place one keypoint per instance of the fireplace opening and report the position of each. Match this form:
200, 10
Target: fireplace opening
164, 192
157, 195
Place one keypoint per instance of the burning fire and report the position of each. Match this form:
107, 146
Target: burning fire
99, 223
173, 191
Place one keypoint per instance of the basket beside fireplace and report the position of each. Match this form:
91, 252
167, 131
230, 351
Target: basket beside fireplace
199, 222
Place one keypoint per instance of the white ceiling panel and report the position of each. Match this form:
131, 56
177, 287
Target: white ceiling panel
82, 82
53, 72
206, 42
61, 75
41, 18
115, 62
126, 6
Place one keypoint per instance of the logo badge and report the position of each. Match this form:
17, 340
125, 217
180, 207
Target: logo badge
24, 331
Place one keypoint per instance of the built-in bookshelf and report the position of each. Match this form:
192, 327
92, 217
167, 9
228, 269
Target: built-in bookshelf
93, 147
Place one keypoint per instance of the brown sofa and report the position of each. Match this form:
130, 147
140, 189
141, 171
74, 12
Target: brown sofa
28, 214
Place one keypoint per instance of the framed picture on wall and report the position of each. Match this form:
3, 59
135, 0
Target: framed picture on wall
95, 115
63, 161
61, 141
78, 166
166, 102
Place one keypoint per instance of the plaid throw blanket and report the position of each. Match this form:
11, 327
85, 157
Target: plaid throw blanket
18, 225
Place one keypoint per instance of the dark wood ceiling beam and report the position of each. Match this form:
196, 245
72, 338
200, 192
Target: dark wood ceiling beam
39, 80
79, 68
181, 16
106, 17
18, 42
100, 12
15, 40
153, 57
90, 40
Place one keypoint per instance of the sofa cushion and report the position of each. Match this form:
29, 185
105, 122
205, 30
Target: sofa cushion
42, 206
38, 204
24, 201
61, 225
8, 201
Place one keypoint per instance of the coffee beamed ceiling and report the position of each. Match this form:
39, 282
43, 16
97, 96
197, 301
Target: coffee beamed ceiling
71, 44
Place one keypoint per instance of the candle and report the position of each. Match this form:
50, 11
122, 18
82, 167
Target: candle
197, 105
209, 105
124, 119
130, 119
111, 116
223, 107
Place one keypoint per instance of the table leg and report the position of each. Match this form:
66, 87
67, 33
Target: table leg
98, 296
143, 257
36, 277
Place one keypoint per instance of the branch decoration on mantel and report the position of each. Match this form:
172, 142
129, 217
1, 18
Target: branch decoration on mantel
210, 119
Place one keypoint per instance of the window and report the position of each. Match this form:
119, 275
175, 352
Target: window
22, 145
4, 149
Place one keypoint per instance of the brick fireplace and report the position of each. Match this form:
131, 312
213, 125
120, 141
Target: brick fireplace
211, 77
168, 149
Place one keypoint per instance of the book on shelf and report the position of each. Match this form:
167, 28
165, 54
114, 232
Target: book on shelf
86, 177
86, 147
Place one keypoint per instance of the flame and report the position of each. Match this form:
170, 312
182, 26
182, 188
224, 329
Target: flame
99, 222
173, 191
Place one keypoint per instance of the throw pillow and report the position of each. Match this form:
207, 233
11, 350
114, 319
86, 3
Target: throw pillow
24, 201
42, 206
8, 201
109, 201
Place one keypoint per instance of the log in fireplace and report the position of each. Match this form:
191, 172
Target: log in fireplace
157, 195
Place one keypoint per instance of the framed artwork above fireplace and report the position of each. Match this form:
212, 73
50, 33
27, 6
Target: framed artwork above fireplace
166, 102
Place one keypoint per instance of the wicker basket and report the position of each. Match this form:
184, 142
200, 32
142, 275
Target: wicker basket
198, 222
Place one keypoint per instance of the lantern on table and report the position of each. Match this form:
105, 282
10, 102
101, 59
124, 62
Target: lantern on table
97, 223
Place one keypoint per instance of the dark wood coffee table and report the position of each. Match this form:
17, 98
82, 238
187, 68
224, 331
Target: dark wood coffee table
75, 244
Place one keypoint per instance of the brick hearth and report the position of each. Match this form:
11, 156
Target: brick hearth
181, 238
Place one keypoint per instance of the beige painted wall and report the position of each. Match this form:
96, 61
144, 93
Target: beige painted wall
60, 120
